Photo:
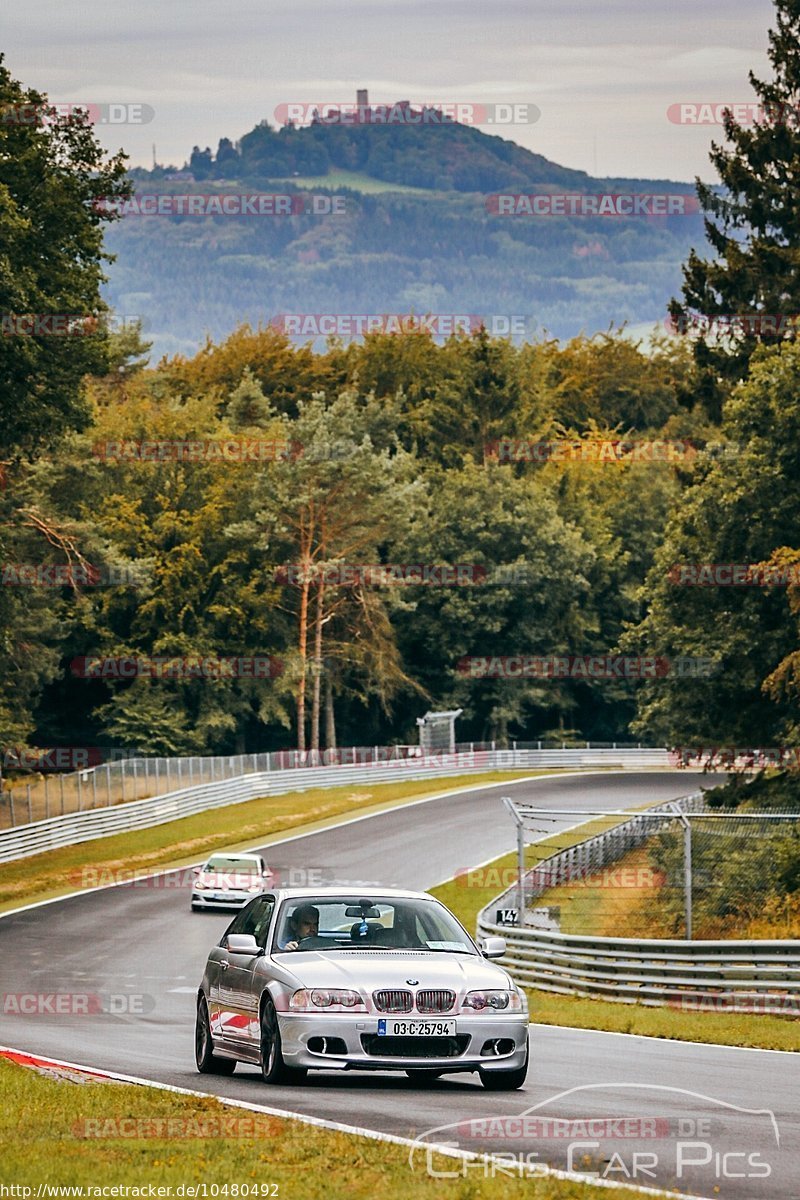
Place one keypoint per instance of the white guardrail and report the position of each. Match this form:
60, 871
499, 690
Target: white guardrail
55, 832
739, 976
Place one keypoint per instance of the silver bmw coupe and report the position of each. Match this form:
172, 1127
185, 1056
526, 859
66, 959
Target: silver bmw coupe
329, 979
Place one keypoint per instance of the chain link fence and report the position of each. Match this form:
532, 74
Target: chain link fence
673, 869
38, 796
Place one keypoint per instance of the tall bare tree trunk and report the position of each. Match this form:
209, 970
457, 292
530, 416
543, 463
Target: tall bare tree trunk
330, 719
301, 683
317, 665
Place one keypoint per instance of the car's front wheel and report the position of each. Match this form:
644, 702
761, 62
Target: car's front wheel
505, 1081
273, 1068
206, 1059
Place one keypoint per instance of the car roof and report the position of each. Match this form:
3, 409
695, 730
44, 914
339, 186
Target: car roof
350, 890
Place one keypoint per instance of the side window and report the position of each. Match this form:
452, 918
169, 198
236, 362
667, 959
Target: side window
263, 920
252, 919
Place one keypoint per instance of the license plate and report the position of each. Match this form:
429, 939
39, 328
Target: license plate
387, 1028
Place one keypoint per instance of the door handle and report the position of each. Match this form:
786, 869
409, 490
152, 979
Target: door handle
224, 964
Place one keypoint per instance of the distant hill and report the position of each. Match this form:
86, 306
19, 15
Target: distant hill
443, 156
431, 246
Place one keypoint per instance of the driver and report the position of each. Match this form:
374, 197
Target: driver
303, 923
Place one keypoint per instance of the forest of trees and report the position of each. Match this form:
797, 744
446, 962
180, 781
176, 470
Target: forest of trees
398, 451
377, 453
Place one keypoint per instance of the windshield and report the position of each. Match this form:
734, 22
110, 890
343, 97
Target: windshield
348, 922
231, 865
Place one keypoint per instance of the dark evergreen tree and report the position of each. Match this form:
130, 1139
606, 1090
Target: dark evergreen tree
753, 225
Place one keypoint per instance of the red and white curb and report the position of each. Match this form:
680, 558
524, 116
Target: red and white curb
76, 1072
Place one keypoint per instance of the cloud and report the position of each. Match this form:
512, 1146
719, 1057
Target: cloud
602, 74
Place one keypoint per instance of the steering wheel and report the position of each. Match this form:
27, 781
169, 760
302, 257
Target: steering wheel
313, 942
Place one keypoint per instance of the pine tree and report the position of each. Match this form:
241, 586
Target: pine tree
753, 224
248, 406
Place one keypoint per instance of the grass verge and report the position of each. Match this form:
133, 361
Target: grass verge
53, 1132
180, 843
472, 891
621, 900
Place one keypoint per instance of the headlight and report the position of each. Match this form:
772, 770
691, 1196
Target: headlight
493, 1001
309, 999
254, 887
199, 886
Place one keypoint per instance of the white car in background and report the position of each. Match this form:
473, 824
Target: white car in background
228, 881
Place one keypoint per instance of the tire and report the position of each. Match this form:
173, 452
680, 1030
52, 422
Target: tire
422, 1076
273, 1068
207, 1062
505, 1081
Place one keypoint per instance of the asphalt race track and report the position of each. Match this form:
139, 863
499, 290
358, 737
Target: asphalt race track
712, 1121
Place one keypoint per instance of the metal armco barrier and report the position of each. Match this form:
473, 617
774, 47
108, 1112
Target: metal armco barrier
762, 976
55, 832
741, 976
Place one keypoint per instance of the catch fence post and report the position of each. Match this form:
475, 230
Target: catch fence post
687, 876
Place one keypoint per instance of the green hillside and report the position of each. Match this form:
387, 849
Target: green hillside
416, 236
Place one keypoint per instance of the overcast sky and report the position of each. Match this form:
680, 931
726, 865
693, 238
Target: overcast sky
602, 72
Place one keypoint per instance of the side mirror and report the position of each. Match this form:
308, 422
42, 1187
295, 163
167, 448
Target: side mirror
493, 947
244, 943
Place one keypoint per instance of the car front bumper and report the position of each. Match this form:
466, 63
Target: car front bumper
211, 899
345, 1041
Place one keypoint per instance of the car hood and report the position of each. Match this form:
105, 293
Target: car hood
370, 969
227, 881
